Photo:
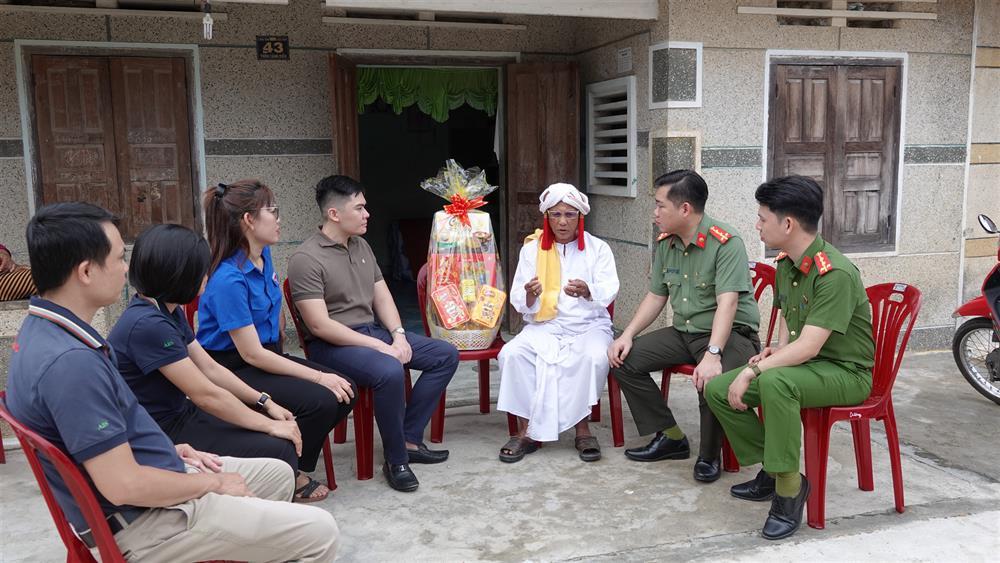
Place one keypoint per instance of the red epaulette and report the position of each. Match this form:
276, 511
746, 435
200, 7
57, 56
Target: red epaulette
823, 263
720, 234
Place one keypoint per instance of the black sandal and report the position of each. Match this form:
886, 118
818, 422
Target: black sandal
303, 494
588, 447
516, 448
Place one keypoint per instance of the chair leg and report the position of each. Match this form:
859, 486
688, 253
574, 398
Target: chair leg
484, 386
729, 461
340, 431
615, 408
3, 456
437, 421
816, 442
331, 479
364, 419
892, 436
665, 385
861, 430
511, 424
595, 411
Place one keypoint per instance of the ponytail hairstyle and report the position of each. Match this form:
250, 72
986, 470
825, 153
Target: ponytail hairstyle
225, 205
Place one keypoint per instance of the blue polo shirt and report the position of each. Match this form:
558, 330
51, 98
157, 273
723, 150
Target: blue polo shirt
64, 385
146, 339
239, 295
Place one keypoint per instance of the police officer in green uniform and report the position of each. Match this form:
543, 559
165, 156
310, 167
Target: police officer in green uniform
701, 267
824, 355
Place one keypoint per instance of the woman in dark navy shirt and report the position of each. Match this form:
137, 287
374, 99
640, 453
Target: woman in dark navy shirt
240, 321
192, 398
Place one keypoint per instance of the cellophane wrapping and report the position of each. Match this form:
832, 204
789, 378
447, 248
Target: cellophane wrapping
465, 284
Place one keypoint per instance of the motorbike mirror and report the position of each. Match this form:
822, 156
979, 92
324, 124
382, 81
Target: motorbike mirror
987, 224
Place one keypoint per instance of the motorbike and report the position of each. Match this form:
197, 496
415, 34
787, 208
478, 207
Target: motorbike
976, 345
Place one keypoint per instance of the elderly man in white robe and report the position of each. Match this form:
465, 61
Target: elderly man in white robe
554, 371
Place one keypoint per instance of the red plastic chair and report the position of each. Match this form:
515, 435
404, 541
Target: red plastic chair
3, 456
894, 312
483, 357
190, 311
364, 409
762, 277
614, 402
77, 551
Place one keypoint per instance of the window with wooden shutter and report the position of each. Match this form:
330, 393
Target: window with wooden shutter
611, 137
839, 124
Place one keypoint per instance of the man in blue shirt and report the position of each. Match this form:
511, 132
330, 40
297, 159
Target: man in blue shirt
163, 502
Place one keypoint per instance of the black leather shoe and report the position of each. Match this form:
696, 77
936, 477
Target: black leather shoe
400, 477
786, 514
759, 489
424, 455
706, 470
659, 448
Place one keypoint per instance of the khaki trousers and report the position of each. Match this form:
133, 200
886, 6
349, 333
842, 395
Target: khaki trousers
266, 527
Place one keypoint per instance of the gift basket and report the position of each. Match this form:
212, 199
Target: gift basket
465, 284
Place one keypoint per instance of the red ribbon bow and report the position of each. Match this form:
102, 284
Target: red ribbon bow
460, 207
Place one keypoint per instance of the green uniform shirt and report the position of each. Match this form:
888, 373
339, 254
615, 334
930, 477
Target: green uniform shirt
715, 262
824, 289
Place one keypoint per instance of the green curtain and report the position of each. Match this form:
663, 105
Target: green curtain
435, 91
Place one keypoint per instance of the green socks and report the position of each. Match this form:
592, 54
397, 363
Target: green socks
787, 484
674, 433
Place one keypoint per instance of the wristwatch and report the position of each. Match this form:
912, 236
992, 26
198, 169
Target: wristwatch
755, 369
714, 350
399, 330
264, 398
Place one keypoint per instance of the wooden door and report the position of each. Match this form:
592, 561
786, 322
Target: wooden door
839, 124
75, 131
865, 156
543, 145
344, 115
153, 142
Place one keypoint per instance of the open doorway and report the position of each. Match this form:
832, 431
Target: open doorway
397, 152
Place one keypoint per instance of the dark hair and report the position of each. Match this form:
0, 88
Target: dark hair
225, 205
336, 188
685, 186
169, 263
63, 235
798, 197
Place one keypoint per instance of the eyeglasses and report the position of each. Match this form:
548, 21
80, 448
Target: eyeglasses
273, 210
560, 215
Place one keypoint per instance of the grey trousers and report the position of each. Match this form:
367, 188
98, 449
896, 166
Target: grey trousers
266, 527
656, 350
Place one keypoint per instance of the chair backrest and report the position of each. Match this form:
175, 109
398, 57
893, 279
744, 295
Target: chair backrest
190, 310
894, 312
83, 495
286, 288
762, 278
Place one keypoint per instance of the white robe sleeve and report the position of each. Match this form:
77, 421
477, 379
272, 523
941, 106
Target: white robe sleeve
604, 288
525, 271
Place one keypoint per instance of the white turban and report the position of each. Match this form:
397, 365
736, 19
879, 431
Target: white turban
557, 193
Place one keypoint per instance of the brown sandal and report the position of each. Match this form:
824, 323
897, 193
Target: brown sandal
588, 447
516, 448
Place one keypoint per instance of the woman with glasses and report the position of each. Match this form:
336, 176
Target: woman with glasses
240, 322
553, 372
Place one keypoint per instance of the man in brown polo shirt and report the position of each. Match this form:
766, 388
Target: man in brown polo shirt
353, 327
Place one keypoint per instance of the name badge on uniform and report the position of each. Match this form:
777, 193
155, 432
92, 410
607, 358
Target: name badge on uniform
672, 271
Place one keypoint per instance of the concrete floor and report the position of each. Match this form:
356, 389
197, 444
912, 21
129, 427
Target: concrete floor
552, 507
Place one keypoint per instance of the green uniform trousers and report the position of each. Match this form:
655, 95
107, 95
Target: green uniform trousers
783, 392
670, 347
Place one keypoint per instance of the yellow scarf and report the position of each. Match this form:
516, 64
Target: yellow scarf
549, 272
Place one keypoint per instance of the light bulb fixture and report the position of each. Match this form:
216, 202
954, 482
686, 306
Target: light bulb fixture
207, 21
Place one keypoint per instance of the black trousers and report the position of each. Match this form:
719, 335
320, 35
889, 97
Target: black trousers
315, 407
211, 434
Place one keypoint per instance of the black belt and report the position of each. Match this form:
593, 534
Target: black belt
117, 522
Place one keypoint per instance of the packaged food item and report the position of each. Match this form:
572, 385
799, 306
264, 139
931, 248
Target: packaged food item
489, 306
463, 268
